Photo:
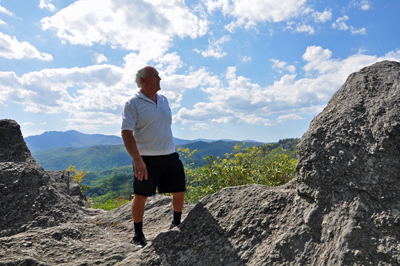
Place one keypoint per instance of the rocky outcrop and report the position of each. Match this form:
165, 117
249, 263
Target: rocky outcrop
343, 208
28, 196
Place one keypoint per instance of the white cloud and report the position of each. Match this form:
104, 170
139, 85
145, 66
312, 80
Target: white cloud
47, 4
11, 48
28, 124
322, 17
34, 124
214, 49
39, 132
94, 96
245, 59
364, 5
305, 28
99, 58
201, 126
341, 25
250, 13
5, 11
283, 118
144, 26
2, 22
282, 66
91, 121
242, 101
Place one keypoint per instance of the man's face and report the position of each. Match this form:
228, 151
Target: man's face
151, 83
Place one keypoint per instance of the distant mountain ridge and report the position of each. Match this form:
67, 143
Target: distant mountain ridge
55, 139
104, 157
72, 138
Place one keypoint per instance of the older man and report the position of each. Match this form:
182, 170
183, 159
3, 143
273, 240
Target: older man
147, 135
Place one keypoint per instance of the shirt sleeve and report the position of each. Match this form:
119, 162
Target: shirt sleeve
129, 117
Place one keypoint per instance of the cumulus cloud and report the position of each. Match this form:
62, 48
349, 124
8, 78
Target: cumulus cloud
99, 58
245, 59
214, 49
300, 27
283, 118
11, 48
242, 101
201, 126
34, 124
322, 17
47, 5
281, 66
364, 5
93, 96
340, 24
5, 11
133, 25
249, 14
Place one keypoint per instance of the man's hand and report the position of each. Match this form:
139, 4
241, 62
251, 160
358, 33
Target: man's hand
140, 169
138, 163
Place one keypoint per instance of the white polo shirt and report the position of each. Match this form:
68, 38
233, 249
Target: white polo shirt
150, 124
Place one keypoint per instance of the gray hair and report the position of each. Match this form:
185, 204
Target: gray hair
142, 73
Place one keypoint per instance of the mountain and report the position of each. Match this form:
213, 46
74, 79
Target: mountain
104, 157
72, 138
95, 158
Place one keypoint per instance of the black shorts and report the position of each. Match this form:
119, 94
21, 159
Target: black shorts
164, 173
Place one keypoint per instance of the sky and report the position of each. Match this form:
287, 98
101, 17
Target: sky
231, 69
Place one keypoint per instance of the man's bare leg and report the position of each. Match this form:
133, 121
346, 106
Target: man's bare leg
178, 200
177, 204
137, 208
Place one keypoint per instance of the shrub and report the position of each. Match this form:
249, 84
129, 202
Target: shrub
256, 165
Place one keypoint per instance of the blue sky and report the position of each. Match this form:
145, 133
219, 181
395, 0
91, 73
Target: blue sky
231, 69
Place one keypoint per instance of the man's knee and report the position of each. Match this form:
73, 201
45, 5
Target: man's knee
178, 195
139, 199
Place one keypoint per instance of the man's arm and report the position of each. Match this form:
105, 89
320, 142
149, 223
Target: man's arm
138, 163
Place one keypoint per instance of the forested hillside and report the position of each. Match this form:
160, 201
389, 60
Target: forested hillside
105, 157
96, 158
109, 167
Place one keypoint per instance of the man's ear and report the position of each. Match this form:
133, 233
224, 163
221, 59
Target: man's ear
142, 80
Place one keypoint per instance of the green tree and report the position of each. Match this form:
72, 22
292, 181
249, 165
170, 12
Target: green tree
243, 166
78, 176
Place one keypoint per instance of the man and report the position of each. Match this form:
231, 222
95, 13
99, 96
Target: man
147, 135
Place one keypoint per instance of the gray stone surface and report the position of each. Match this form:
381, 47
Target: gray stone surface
28, 197
343, 208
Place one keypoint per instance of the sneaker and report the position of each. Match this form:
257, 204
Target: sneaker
173, 224
139, 240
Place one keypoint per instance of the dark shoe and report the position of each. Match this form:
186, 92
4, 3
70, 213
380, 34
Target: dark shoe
173, 224
139, 240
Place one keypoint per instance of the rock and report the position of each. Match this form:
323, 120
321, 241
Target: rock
28, 198
343, 207
352, 147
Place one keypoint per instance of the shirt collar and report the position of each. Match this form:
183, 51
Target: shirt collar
144, 97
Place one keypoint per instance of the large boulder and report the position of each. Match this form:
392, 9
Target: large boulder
29, 197
352, 148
